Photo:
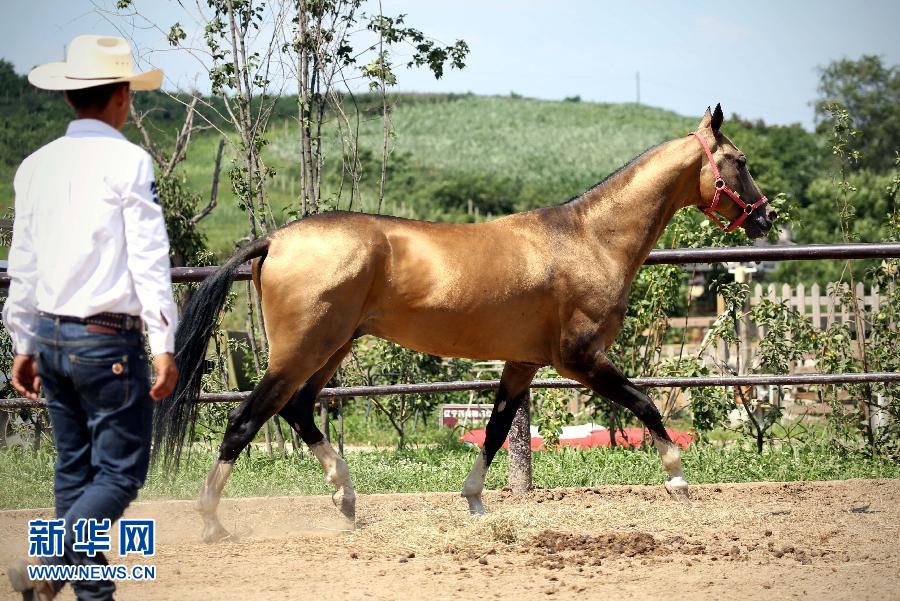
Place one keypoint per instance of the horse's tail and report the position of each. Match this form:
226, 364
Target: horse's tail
176, 415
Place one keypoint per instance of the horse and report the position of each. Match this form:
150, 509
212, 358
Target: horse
543, 287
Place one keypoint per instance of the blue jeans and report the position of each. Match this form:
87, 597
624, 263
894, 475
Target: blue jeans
97, 388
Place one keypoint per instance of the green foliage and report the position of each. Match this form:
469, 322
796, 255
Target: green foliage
29, 118
870, 92
187, 245
789, 336
709, 405
783, 159
875, 418
428, 52
866, 216
550, 410
850, 201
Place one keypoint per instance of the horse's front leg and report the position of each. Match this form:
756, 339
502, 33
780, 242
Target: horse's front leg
594, 369
513, 391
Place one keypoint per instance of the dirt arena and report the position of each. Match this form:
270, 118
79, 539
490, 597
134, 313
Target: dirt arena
809, 539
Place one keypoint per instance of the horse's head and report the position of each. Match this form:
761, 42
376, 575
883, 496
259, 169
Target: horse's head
726, 186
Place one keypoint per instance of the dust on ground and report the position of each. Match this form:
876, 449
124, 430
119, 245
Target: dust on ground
761, 540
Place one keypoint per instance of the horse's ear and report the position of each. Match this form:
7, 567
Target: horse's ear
706, 120
717, 118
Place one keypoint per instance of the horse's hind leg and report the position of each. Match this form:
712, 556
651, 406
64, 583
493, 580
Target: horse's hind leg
299, 413
513, 391
605, 379
269, 396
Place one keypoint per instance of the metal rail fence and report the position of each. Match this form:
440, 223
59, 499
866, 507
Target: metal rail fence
802, 252
670, 256
345, 392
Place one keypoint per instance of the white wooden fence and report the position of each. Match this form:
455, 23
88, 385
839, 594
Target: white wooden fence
822, 309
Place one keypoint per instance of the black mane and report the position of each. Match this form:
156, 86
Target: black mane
612, 175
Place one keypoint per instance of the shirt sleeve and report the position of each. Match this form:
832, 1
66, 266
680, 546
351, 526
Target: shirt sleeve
147, 246
20, 310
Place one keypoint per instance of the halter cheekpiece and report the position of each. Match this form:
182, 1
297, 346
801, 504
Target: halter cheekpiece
722, 187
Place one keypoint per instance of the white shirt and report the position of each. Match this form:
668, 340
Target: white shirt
89, 236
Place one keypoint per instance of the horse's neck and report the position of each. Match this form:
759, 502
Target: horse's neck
627, 214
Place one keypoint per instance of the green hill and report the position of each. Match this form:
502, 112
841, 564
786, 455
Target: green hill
502, 154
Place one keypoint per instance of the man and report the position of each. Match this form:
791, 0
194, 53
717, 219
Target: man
89, 268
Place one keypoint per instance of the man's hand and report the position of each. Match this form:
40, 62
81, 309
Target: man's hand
24, 376
166, 376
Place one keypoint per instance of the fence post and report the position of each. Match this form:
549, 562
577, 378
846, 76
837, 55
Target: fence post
520, 448
340, 405
38, 430
4, 422
279, 435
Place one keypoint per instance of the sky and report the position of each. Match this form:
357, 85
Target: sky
759, 58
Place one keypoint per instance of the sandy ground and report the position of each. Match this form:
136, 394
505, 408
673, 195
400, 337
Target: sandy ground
829, 540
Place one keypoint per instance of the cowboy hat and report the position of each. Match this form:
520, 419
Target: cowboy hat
94, 60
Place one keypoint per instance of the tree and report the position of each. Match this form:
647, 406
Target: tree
180, 205
326, 53
870, 91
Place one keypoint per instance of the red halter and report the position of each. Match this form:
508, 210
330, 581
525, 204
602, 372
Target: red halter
721, 187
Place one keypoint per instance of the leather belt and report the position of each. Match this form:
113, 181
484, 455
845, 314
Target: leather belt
119, 321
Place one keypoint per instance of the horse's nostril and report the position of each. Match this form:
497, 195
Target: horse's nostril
772, 215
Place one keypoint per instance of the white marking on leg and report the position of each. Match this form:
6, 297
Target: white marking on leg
474, 484
208, 501
670, 454
338, 475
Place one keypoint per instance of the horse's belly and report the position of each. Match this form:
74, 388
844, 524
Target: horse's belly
510, 335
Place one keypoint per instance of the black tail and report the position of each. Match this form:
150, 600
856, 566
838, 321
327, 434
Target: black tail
176, 415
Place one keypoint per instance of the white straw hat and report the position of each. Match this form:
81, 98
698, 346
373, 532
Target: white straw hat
94, 60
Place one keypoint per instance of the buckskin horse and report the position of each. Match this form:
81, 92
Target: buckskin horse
542, 287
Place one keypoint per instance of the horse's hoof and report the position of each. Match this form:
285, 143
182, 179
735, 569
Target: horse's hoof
678, 489
476, 507
214, 533
345, 501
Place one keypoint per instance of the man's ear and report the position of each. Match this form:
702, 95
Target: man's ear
717, 118
124, 94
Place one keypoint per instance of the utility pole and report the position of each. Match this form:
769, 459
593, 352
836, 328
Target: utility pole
637, 79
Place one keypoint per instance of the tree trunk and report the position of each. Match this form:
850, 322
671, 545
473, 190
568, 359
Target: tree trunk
612, 424
267, 430
295, 439
279, 436
520, 449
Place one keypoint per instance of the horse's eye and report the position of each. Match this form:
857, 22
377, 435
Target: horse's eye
742, 161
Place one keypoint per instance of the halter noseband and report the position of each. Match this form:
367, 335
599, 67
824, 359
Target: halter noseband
722, 187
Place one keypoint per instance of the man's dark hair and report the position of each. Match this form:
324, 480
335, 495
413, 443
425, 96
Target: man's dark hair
94, 98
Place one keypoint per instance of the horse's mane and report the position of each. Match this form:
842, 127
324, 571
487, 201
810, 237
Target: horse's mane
615, 173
